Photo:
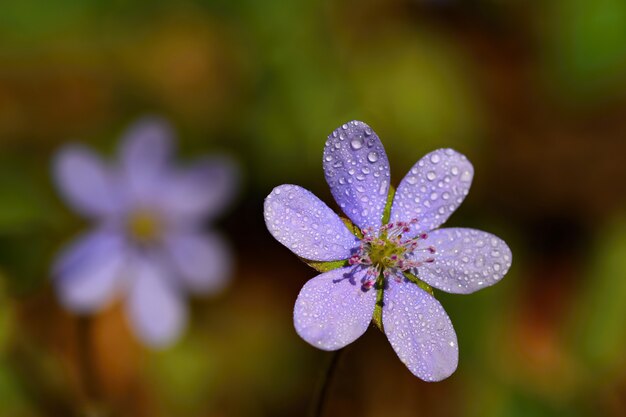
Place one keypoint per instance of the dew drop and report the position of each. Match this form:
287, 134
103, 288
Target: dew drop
356, 143
434, 158
431, 175
372, 157
383, 187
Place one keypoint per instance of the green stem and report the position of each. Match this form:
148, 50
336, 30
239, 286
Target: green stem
319, 405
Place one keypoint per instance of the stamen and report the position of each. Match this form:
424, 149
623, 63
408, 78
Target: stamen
389, 253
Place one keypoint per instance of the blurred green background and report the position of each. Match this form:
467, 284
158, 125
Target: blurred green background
534, 93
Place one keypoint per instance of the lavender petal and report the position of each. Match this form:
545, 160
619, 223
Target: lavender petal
87, 185
357, 171
87, 273
145, 151
156, 308
465, 260
432, 190
419, 331
333, 309
308, 227
200, 191
203, 260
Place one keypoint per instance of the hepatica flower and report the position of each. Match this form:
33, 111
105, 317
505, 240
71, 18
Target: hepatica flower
381, 263
148, 243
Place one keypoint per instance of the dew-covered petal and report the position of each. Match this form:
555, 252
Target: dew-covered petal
466, 260
432, 190
420, 331
357, 171
308, 227
334, 309
145, 151
203, 260
85, 182
156, 308
87, 273
200, 191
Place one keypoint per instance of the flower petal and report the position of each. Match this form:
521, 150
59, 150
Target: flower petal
420, 331
203, 260
308, 227
333, 309
432, 190
357, 171
85, 182
87, 273
466, 260
156, 308
145, 150
201, 191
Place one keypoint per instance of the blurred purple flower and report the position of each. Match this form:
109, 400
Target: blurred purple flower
148, 242
382, 263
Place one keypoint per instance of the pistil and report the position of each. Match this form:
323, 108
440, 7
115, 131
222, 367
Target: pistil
389, 253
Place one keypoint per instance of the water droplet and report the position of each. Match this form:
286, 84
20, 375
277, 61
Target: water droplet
411, 180
356, 143
431, 175
466, 176
383, 187
433, 196
434, 158
328, 158
455, 170
372, 157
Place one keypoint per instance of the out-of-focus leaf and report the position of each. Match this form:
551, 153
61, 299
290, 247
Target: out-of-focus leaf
600, 328
23, 206
416, 91
588, 52
12, 400
185, 376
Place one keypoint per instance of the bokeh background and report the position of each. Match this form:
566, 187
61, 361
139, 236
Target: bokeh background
534, 93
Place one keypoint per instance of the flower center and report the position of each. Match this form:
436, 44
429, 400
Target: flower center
389, 252
144, 226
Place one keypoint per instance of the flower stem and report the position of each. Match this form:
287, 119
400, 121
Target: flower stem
317, 408
86, 361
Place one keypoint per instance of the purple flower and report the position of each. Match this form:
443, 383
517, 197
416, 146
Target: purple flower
148, 243
373, 272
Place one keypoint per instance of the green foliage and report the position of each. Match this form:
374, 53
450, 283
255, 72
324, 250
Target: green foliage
600, 325
587, 54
